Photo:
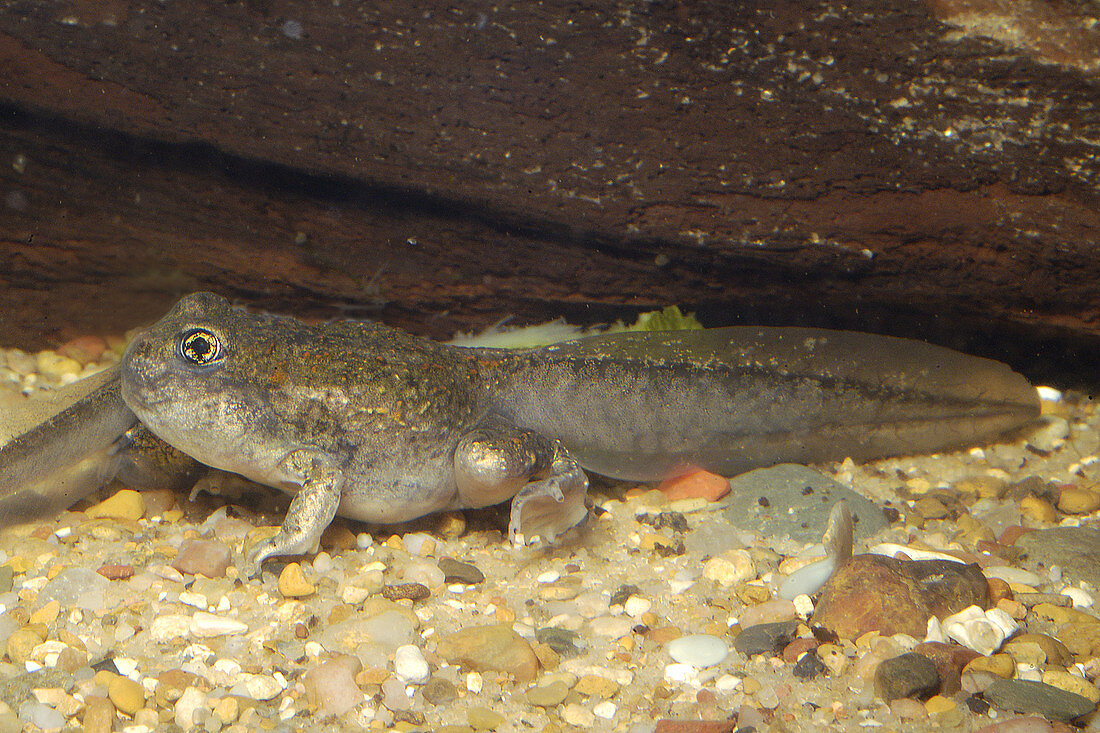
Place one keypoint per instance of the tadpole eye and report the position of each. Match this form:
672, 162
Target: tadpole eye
200, 346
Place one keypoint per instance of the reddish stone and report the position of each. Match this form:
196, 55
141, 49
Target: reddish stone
797, 648
878, 593
116, 572
203, 557
998, 589
949, 660
704, 484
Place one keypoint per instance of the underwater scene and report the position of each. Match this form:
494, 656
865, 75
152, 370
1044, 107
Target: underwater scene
648, 367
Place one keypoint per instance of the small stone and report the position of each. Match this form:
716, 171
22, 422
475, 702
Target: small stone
484, 718
624, 593
127, 695
1027, 696
208, 625
578, 716
170, 627
439, 691
116, 572
293, 584
563, 641
210, 558
636, 607
983, 487
47, 614
1072, 683
1076, 500
769, 612
930, 507
394, 695
460, 572
409, 664
547, 696
697, 484
125, 504
1038, 509
21, 644
879, 593
490, 648
99, 714
331, 686
605, 710
698, 650
808, 666
598, 686
191, 702
765, 638
730, 568
1052, 650
1001, 665
938, 704
1049, 436
405, 591
908, 675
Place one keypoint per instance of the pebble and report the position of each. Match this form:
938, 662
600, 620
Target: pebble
698, 650
293, 583
769, 612
1024, 696
439, 691
908, 675
765, 638
99, 714
1072, 683
808, 666
126, 695
490, 648
455, 571
206, 625
187, 708
409, 664
484, 718
330, 687
1001, 665
405, 591
697, 484
547, 696
731, 568
210, 558
124, 504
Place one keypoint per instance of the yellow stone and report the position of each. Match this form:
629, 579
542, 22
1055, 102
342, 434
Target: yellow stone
47, 614
1026, 652
1072, 683
1074, 500
394, 542
99, 715
651, 541
594, 685
124, 504
21, 643
484, 718
293, 584
227, 709
1041, 511
931, 508
1056, 652
1001, 665
127, 695
984, 487
939, 704
1063, 615
103, 678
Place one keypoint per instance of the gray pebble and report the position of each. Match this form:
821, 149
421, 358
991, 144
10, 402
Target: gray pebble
563, 641
1027, 696
439, 691
1075, 549
765, 638
455, 571
909, 675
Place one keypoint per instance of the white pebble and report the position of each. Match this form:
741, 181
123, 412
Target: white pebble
190, 702
257, 686
169, 627
1012, 575
323, 562
698, 650
474, 682
613, 627
363, 540
550, 576
409, 664
680, 673
636, 607
726, 684
803, 605
207, 624
605, 710
1081, 597
982, 631
1049, 394
578, 715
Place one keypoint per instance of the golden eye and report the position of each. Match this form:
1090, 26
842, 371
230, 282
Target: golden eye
200, 346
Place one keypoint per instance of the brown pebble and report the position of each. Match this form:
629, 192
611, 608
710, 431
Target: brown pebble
998, 589
410, 591
1011, 534
116, 572
99, 714
203, 557
797, 648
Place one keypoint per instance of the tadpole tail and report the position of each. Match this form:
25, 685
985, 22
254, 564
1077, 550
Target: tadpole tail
643, 405
58, 458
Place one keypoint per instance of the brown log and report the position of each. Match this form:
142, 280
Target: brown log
871, 165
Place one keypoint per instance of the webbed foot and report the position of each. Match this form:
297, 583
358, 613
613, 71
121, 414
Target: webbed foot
310, 513
546, 509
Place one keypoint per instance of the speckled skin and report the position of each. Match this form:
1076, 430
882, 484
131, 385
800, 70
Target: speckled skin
373, 423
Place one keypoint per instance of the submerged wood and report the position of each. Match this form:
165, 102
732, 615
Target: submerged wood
870, 166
